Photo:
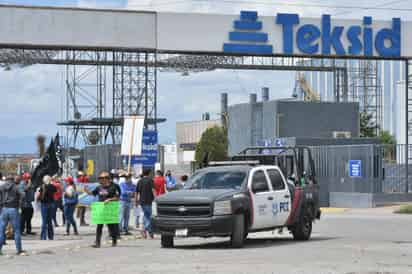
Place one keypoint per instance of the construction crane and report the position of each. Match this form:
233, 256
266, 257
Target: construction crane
303, 90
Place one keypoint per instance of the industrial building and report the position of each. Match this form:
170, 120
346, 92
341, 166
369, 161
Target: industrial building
188, 134
254, 122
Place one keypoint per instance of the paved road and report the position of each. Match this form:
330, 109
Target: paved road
356, 241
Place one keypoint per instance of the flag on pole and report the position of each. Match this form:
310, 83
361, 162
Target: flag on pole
59, 153
48, 165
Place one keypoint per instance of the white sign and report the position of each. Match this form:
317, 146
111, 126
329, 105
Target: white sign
132, 135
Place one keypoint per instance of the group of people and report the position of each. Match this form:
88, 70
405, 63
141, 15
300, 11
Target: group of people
18, 198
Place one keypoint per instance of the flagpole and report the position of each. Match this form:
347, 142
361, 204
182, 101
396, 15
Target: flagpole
129, 164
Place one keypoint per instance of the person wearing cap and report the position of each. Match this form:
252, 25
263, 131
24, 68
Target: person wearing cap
107, 192
58, 201
46, 198
127, 193
70, 200
27, 210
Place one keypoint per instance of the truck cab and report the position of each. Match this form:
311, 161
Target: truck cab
233, 198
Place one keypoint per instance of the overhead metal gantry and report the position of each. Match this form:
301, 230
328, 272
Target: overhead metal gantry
134, 81
174, 62
134, 90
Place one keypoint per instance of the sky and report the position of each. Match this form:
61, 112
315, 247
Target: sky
32, 97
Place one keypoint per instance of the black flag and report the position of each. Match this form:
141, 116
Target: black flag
59, 153
48, 165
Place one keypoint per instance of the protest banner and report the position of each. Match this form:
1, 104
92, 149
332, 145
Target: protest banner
108, 213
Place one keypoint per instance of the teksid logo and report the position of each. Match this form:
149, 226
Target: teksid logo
247, 37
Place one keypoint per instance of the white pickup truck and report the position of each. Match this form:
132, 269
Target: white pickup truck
233, 199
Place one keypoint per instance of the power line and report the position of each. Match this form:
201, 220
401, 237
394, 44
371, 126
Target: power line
378, 6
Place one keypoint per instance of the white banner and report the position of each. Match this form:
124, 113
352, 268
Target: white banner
132, 135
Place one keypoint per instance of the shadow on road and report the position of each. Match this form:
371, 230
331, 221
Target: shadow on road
252, 243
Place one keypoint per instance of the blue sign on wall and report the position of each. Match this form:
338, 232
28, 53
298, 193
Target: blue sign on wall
149, 150
355, 168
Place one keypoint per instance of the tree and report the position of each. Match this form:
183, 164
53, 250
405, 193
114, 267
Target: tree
386, 138
368, 127
213, 145
389, 148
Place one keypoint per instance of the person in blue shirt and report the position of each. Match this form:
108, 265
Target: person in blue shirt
170, 181
127, 193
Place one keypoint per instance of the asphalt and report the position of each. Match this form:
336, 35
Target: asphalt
348, 241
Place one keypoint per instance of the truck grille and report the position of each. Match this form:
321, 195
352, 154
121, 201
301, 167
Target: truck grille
186, 210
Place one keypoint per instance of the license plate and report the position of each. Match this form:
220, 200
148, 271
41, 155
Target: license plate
181, 233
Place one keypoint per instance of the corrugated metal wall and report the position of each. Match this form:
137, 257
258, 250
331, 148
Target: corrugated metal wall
250, 123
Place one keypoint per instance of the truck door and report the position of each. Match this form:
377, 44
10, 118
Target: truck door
262, 198
282, 197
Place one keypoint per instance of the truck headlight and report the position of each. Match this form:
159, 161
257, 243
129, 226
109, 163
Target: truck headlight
154, 209
222, 208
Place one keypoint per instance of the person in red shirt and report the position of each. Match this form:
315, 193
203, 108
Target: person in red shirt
58, 200
159, 183
82, 178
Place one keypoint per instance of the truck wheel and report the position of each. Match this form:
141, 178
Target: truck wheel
238, 232
167, 241
303, 229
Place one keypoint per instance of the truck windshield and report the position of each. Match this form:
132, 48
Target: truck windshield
216, 180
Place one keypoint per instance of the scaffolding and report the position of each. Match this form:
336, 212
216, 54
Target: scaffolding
85, 100
134, 82
134, 89
366, 89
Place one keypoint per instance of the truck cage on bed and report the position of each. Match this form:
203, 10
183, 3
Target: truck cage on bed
295, 162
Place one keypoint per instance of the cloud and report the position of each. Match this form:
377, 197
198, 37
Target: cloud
307, 8
30, 100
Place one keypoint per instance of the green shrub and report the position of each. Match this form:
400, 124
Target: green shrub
405, 209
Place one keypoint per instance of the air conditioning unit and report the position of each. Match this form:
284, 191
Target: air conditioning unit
342, 134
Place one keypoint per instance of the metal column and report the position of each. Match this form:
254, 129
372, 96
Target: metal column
408, 109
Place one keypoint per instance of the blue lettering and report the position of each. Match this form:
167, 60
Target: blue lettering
394, 36
287, 21
306, 35
284, 207
312, 39
367, 36
353, 36
331, 38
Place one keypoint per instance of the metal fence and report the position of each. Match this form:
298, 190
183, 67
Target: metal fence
394, 164
383, 169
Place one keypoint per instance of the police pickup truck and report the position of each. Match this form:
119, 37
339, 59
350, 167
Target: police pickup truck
261, 189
